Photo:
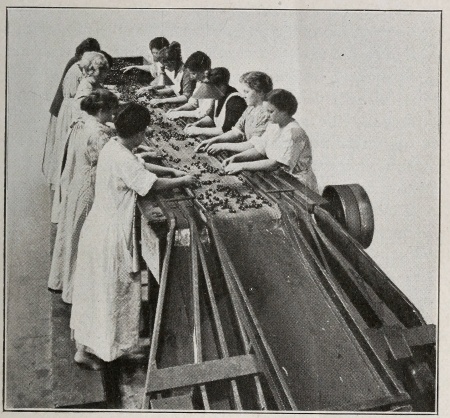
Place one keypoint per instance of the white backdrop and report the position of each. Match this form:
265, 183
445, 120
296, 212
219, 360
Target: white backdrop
368, 90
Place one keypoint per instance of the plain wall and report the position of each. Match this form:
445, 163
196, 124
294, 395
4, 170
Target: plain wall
368, 90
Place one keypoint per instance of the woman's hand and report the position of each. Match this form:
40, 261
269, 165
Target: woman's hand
152, 155
233, 168
189, 180
178, 173
192, 131
204, 145
188, 125
215, 148
142, 90
128, 68
228, 161
143, 148
156, 102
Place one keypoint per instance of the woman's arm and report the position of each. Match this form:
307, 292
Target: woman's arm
259, 165
159, 170
230, 136
227, 146
177, 99
249, 154
164, 91
186, 106
205, 131
164, 183
146, 68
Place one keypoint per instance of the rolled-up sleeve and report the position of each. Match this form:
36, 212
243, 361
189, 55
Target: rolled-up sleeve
260, 142
187, 85
240, 124
137, 177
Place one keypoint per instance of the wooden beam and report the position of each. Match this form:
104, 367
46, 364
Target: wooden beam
201, 373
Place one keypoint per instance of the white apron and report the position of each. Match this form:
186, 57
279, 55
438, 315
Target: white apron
176, 80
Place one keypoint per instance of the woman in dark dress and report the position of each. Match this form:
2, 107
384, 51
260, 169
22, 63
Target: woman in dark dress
48, 164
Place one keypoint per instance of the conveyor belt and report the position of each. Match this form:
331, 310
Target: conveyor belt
268, 287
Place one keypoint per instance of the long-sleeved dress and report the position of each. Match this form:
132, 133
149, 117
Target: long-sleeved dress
107, 290
86, 139
85, 87
48, 166
65, 118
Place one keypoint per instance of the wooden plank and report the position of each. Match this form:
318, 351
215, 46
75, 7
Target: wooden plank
72, 386
196, 374
181, 402
419, 336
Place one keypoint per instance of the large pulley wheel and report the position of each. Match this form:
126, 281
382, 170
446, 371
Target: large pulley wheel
349, 204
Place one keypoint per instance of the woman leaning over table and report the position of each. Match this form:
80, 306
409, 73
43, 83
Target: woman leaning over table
226, 111
107, 287
255, 85
48, 162
154, 67
87, 137
94, 67
183, 85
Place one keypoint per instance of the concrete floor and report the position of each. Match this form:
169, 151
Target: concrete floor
28, 334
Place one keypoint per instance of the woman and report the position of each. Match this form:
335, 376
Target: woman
48, 165
226, 111
255, 86
86, 139
107, 289
93, 68
284, 144
198, 64
173, 67
154, 68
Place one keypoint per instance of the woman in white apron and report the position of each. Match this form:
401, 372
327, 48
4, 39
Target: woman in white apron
154, 65
182, 85
226, 111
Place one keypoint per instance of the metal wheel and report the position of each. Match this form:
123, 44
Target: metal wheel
349, 204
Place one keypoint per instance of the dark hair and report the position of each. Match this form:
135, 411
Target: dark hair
108, 57
283, 100
217, 76
158, 43
171, 53
198, 62
257, 81
89, 44
133, 119
99, 99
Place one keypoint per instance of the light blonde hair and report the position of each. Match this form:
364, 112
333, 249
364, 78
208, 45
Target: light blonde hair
91, 60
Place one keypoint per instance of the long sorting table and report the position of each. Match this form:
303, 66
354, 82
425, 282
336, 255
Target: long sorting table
265, 302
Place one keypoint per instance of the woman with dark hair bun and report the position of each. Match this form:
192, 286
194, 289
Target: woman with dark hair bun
154, 67
48, 166
255, 86
283, 145
183, 82
226, 111
107, 286
197, 65
86, 138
